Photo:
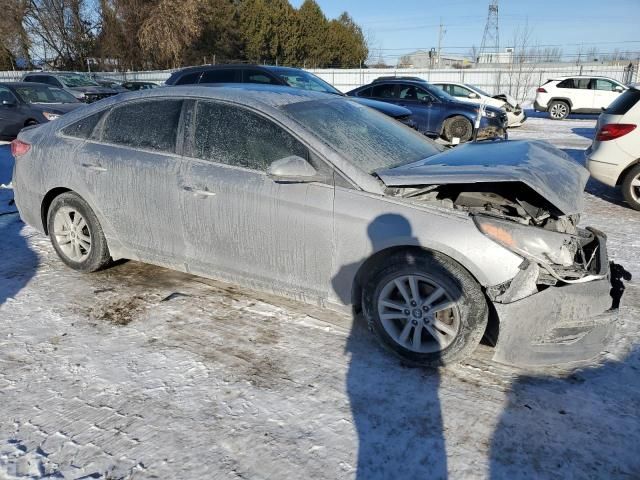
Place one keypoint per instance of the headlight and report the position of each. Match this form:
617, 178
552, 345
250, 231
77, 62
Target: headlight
489, 114
532, 242
51, 116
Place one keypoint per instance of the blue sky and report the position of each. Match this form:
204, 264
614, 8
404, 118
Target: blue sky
405, 25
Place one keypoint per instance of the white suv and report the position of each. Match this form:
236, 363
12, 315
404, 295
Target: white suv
614, 156
578, 94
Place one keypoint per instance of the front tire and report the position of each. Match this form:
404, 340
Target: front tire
631, 187
76, 234
458, 127
425, 308
559, 110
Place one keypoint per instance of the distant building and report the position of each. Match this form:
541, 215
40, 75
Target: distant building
497, 57
429, 59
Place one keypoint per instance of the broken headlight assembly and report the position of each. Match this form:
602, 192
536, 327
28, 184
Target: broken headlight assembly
566, 257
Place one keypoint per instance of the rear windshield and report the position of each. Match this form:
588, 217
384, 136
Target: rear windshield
365, 137
42, 94
624, 102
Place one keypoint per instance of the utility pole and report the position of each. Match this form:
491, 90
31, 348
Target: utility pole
441, 33
491, 37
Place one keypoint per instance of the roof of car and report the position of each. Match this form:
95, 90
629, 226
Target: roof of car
581, 76
23, 84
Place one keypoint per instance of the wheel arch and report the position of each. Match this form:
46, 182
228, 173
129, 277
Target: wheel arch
560, 99
626, 170
30, 121
466, 116
46, 204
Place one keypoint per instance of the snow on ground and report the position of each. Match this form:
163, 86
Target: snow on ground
141, 372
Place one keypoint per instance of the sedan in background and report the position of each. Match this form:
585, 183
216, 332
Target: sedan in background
77, 84
139, 85
436, 113
614, 156
472, 94
320, 198
25, 104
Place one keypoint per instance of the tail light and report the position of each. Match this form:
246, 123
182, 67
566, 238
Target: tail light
611, 131
19, 148
541, 90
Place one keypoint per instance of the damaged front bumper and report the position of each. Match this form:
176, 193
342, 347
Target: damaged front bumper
565, 323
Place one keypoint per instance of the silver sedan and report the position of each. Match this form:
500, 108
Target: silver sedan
322, 199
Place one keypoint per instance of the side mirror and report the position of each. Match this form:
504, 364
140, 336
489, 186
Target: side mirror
473, 95
618, 89
293, 169
426, 100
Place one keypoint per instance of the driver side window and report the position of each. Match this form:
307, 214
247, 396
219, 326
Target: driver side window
458, 91
238, 137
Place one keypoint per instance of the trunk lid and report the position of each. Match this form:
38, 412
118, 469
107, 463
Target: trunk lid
548, 171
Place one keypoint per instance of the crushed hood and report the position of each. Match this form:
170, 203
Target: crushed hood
507, 98
545, 169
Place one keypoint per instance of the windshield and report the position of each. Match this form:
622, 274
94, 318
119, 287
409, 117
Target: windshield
480, 91
42, 94
77, 81
305, 80
365, 137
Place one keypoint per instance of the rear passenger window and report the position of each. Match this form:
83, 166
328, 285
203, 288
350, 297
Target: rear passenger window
568, 83
83, 128
150, 125
189, 78
384, 91
236, 136
220, 76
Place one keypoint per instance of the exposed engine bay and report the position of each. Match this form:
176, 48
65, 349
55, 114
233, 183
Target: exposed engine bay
555, 250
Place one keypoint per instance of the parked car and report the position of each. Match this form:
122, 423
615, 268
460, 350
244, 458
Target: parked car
472, 94
318, 197
25, 104
614, 156
435, 112
274, 75
578, 94
139, 85
107, 82
79, 85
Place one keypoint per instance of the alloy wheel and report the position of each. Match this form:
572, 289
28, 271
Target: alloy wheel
418, 314
559, 110
72, 234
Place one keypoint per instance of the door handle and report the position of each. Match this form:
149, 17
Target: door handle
95, 168
198, 192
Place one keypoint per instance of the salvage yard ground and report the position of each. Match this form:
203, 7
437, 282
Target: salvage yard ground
141, 372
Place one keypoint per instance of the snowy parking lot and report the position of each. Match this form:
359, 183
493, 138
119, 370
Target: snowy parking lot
141, 372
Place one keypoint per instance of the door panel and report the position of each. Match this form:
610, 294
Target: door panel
428, 112
239, 223
250, 229
604, 93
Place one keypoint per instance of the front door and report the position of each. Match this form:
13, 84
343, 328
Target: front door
131, 168
240, 224
427, 111
11, 116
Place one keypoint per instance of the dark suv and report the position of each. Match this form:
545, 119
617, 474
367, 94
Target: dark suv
274, 75
435, 112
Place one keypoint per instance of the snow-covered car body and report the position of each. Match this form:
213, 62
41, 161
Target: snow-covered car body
312, 229
472, 94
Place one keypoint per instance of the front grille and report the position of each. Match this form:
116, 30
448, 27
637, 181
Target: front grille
94, 97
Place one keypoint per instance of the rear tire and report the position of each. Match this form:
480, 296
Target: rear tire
459, 127
559, 110
631, 187
425, 308
76, 234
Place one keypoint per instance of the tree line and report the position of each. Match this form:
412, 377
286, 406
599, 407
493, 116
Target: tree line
159, 34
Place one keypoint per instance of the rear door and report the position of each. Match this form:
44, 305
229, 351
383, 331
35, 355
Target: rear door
131, 167
578, 91
604, 92
241, 224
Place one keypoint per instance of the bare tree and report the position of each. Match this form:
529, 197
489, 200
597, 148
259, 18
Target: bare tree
523, 64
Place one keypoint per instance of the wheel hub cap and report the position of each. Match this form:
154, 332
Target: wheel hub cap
72, 234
